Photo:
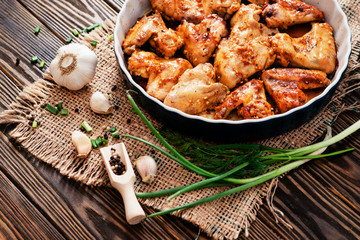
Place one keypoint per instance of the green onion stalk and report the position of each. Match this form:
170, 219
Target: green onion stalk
289, 159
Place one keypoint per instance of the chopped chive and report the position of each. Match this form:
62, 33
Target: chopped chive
115, 134
99, 141
112, 129
87, 127
110, 36
105, 141
51, 109
59, 106
34, 59
42, 63
37, 30
68, 40
92, 27
64, 112
94, 43
94, 144
75, 32
34, 124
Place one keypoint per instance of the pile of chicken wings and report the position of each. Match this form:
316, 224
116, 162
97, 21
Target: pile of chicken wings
224, 58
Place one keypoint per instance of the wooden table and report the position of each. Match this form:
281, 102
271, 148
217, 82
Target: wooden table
320, 200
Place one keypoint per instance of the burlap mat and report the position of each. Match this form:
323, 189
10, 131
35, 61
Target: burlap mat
51, 141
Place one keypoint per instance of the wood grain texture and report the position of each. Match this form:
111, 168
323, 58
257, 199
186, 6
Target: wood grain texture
20, 216
320, 200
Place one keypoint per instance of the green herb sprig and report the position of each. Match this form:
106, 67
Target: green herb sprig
284, 160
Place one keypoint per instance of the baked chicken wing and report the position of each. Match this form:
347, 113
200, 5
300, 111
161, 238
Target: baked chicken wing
314, 50
250, 99
152, 28
247, 50
162, 73
261, 3
285, 85
286, 13
201, 40
196, 90
194, 10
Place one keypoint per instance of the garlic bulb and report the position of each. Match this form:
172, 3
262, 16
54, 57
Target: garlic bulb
82, 143
146, 166
73, 67
99, 103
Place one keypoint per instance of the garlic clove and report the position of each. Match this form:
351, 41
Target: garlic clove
146, 167
73, 67
82, 143
99, 103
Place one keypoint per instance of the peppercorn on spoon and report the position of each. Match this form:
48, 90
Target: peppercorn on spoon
124, 183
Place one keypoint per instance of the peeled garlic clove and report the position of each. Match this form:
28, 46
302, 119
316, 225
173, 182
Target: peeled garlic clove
82, 143
99, 103
73, 67
146, 166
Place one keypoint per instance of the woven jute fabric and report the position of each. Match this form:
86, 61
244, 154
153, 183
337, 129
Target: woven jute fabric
224, 218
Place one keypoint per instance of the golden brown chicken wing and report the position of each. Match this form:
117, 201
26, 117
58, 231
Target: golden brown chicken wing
201, 40
314, 50
196, 90
248, 49
261, 3
250, 99
152, 28
194, 10
285, 85
285, 13
162, 73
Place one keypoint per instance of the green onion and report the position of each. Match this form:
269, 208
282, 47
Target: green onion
99, 141
34, 124
64, 112
34, 59
68, 40
37, 30
52, 109
94, 43
86, 126
59, 106
92, 27
292, 158
42, 64
75, 32
112, 129
94, 143
115, 134
110, 36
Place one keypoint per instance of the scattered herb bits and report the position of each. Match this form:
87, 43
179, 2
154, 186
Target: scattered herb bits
52, 109
75, 32
37, 30
92, 27
60, 106
94, 43
69, 40
64, 112
115, 134
98, 142
34, 59
110, 36
34, 124
42, 64
86, 126
113, 129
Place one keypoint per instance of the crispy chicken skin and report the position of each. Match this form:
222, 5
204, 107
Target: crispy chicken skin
250, 99
247, 50
285, 85
162, 73
201, 40
285, 13
164, 40
194, 10
196, 90
314, 50
261, 3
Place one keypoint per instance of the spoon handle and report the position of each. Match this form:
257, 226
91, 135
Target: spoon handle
133, 211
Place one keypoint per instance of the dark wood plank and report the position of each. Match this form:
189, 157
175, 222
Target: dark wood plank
8, 91
20, 216
62, 16
19, 43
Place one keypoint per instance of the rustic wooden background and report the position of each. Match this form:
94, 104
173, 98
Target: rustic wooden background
320, 200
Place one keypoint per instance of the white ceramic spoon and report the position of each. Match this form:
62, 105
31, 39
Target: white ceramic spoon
124, 183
